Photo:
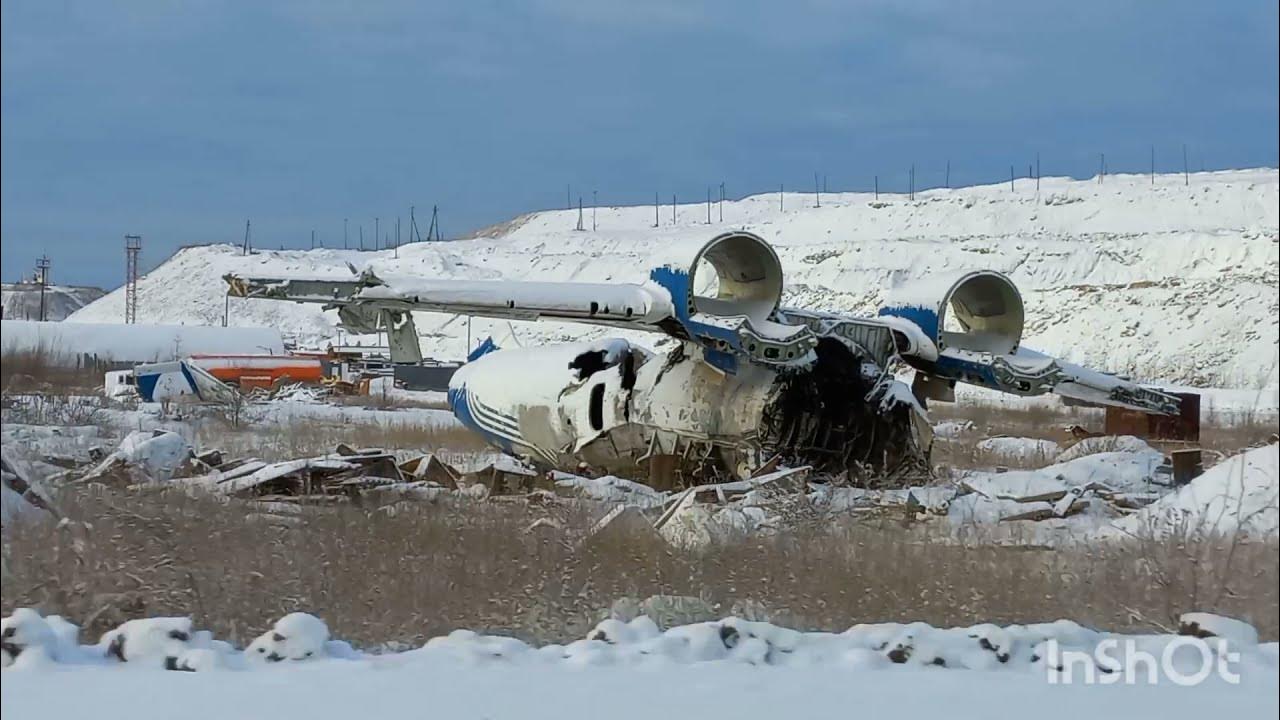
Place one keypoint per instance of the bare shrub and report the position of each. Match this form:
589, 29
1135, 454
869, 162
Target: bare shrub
63, 410
426, 569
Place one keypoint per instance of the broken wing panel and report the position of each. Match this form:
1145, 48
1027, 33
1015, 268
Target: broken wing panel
1027, 372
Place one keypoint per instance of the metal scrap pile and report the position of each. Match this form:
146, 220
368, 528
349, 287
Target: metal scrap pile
163, 458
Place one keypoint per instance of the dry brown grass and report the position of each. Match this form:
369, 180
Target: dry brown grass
300, 437
1223, 433
36, 371
429, 569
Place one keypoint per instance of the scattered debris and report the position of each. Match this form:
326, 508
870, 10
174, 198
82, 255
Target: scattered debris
143, 456
18, 493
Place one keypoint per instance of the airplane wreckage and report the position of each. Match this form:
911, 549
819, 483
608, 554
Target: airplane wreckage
747, 381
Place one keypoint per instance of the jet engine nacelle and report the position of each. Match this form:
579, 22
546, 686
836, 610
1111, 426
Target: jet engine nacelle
978, 311
748, 277
726, 302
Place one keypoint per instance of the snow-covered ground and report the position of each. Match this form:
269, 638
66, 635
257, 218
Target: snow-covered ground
1168, 283
629, 668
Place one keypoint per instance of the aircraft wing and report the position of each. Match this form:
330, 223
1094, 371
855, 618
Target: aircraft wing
967, 327
735, 324
626, 305
951, 328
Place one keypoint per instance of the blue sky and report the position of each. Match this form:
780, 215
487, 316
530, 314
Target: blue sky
180, 120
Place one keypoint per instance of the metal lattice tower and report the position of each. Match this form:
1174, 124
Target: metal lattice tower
132, 247
42, 275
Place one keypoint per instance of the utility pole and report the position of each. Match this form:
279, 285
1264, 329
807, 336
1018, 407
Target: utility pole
246, 237
1010, 178
132, 247
1037, 173
344, 233
397, 236
877, 187
361, 238
708, 204
1186, 172
1102, 168
655, 209
673, 208
568, 198
313, 239
948, 177
42, 273
721, 202
377, 232
579, 228
781, 187
594, 204
817, 194
1153, 165
912, 181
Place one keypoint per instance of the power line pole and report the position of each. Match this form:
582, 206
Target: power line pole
817, 194
912, 183
413, 226
435, 223
132, 248
1010, 178
722, 201
781, 186
579, 227
708, 204
1102, 168
1186, 171
1037, 173
397, 236
673, 208
1153, 165
362, 238
246, 237
344, 233
877, 187
568, 198
594, 204
948, 177
377, 232
313, 239
42, 273
655, 209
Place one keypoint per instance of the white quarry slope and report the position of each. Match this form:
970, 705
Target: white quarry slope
21, 301
1166, 282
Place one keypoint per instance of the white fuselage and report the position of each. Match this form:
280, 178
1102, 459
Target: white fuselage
531, 403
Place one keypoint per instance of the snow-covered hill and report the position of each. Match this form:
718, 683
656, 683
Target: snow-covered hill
1165, 282
21, 301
